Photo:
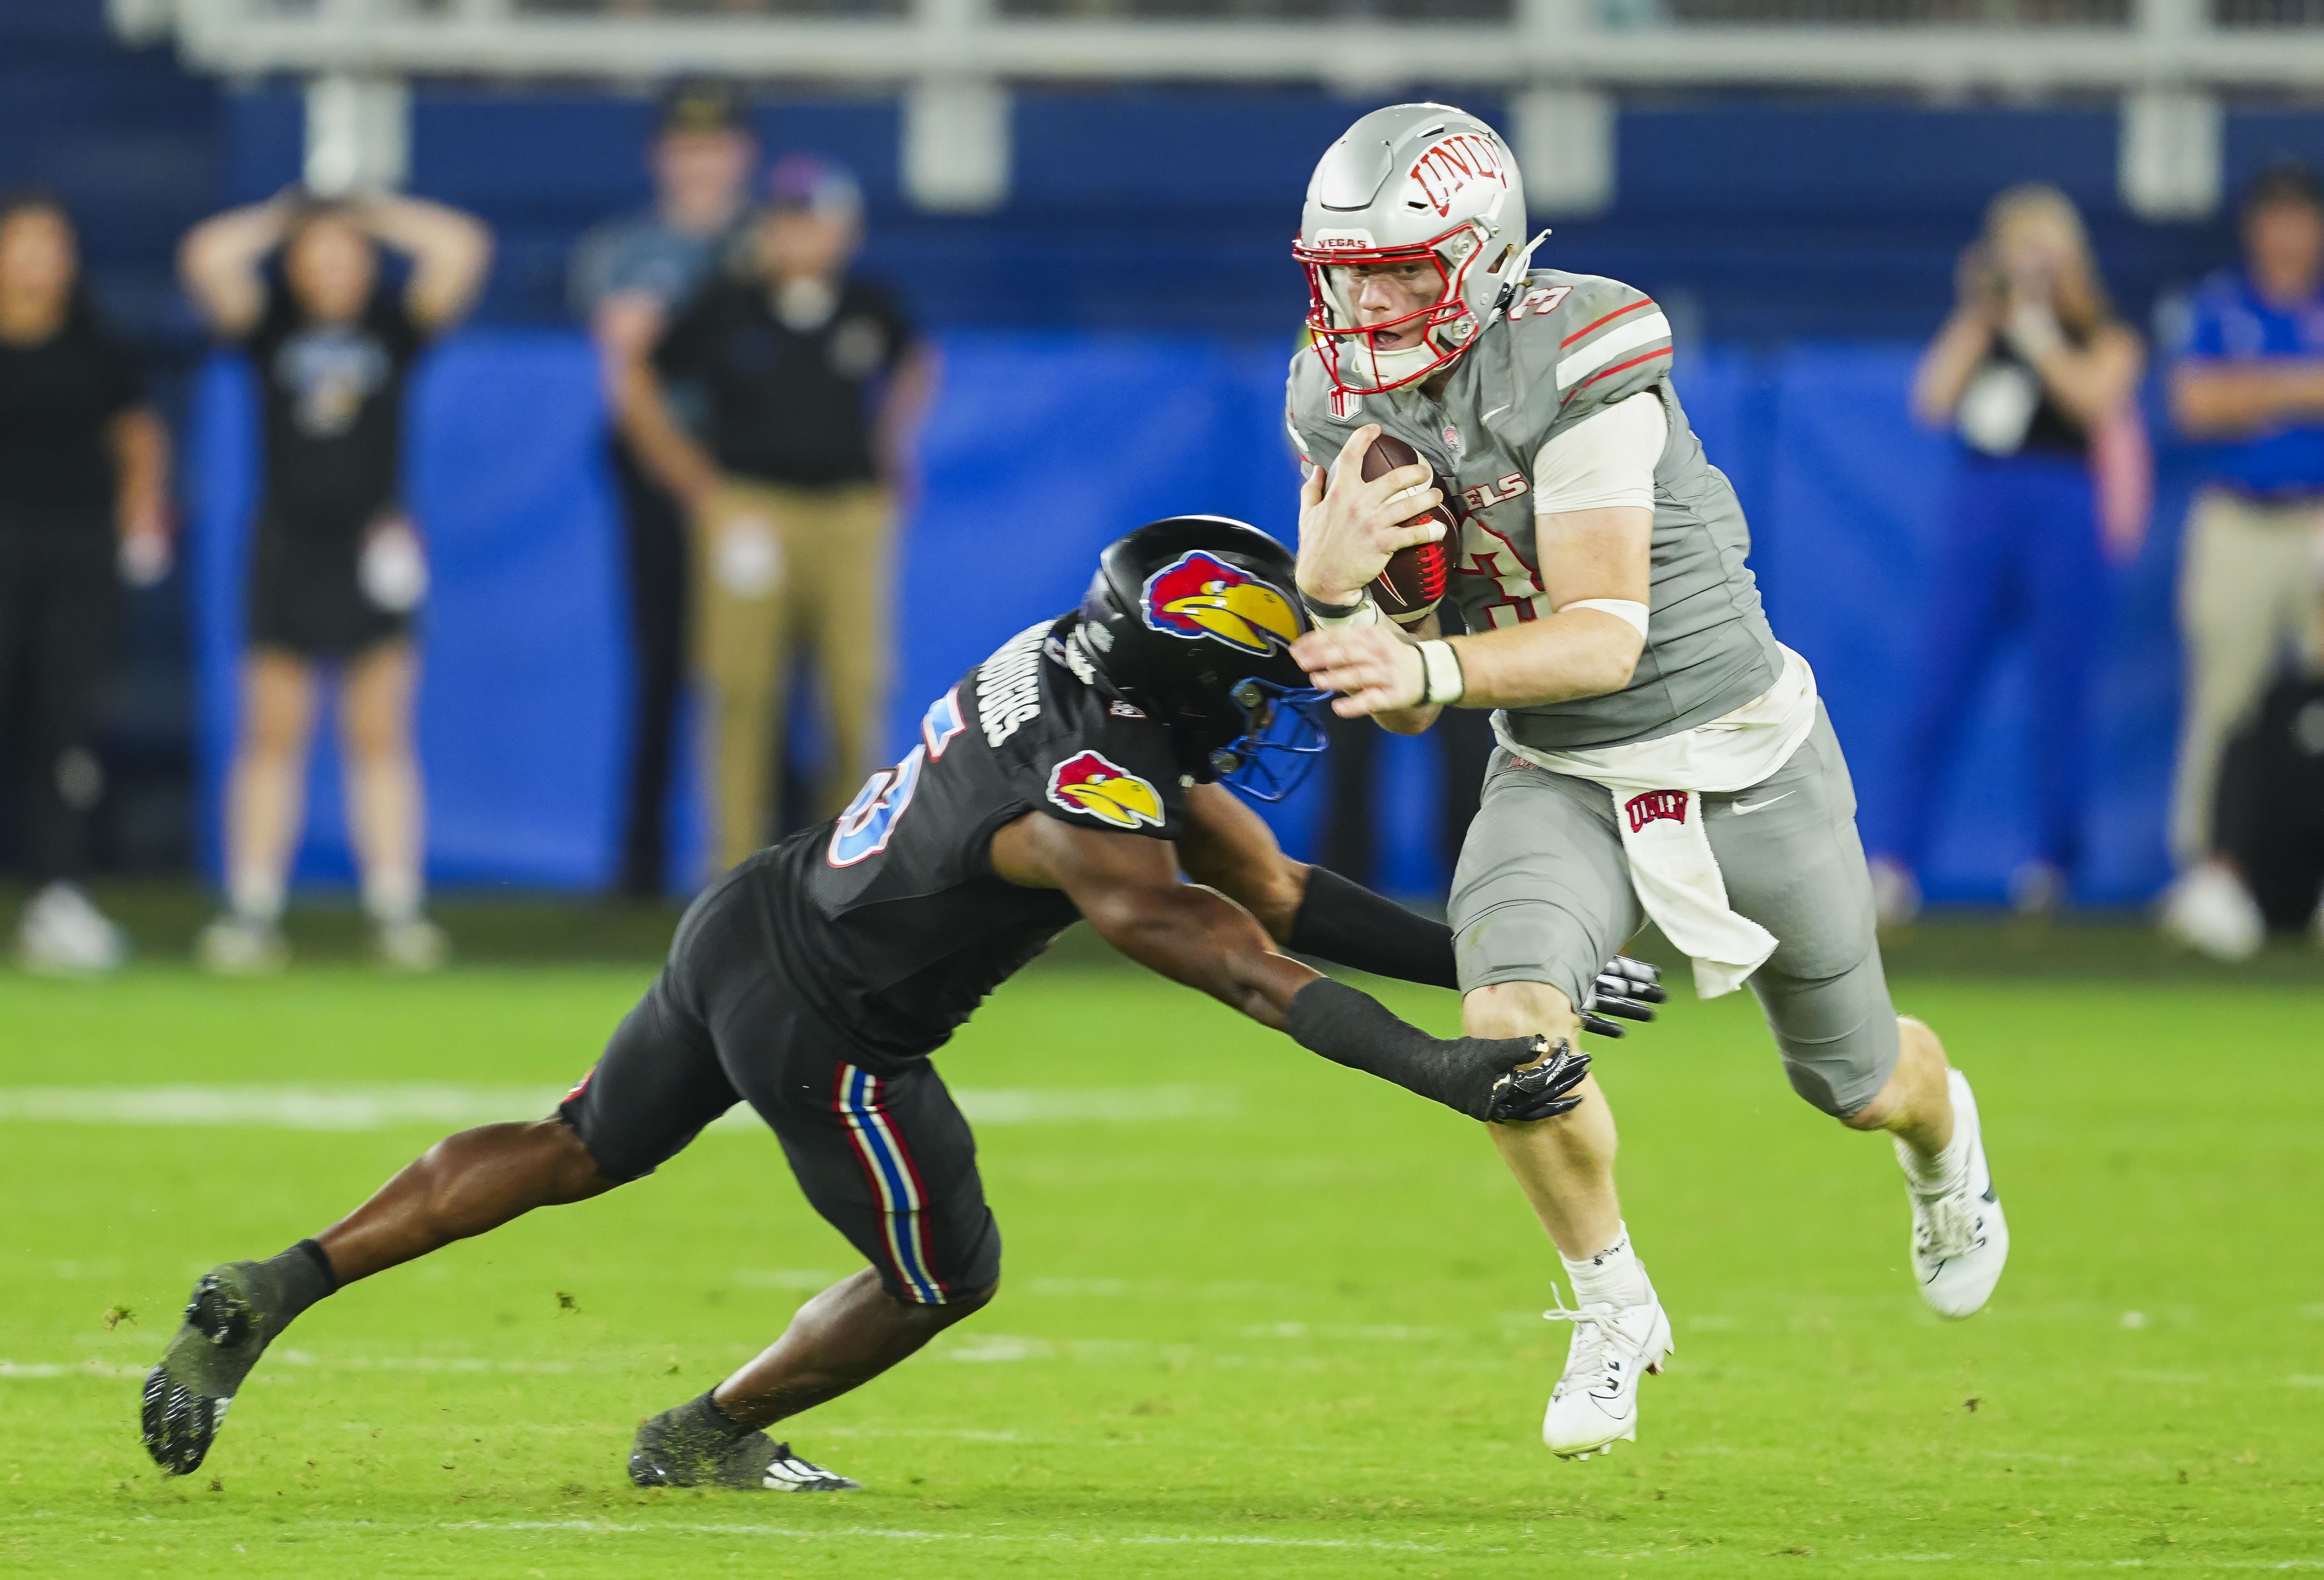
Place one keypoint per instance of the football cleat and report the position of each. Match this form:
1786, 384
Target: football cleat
1595, 1403
227, 1328
671, 1453
1961, 1240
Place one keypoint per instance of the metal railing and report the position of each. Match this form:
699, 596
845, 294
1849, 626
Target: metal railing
1943, 45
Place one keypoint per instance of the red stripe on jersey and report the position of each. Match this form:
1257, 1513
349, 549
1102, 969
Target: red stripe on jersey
1609, 318
1608, 373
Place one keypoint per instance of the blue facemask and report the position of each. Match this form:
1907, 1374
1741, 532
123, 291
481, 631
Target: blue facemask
1284, 734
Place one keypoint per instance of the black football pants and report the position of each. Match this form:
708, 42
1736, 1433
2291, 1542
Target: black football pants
883, 1152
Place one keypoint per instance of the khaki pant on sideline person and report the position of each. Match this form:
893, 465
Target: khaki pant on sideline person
2248, 588
779, 570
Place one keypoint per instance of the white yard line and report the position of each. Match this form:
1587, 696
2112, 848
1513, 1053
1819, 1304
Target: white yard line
710, 1528
1689, 1556
365, 1107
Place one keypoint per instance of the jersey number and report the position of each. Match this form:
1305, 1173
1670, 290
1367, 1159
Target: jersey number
865, 829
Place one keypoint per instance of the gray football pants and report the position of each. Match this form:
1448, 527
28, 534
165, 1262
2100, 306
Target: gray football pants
1543, 893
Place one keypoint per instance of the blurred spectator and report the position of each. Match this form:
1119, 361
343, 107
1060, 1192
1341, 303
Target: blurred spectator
84, 501
2037, 376
630, 276
336, 570
2250, 382
1462, 740
816, 382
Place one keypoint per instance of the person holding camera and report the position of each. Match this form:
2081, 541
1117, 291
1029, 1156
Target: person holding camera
2036, 375
336, 570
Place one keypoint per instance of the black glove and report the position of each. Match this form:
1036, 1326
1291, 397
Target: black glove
1473, 1076
1540, 1091
1626, 988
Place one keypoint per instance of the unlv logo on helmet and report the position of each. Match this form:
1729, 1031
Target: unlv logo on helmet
1199, 595
1444, 168
1089, 782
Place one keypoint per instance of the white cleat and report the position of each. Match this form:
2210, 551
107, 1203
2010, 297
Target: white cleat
63, 934
1595, 1403
2210, 911
415, 944
1961, 1240
237, 946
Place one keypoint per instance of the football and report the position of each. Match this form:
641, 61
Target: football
1413, 579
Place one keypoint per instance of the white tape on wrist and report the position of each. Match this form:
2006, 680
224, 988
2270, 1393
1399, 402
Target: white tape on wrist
1628, 611
1441, 680
1365, 613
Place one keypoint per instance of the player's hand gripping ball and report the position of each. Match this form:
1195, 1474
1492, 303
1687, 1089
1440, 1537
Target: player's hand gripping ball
1369, 521
1415, 578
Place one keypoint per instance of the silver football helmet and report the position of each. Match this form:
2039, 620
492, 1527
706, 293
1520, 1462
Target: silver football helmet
1421, 183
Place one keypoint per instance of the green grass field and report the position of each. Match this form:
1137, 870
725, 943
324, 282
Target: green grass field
1260, 1316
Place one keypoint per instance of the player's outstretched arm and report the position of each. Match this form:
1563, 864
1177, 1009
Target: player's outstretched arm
1312, 909
1127, 887
1316, 911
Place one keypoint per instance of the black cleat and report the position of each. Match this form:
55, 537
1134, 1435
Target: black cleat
671, 1452
186, 1396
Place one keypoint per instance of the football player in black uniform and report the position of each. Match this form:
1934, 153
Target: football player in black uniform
1072, 774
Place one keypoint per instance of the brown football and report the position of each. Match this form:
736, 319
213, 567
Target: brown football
1413, 579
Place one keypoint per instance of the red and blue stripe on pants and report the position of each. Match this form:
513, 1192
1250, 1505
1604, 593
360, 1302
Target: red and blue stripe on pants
895, 1182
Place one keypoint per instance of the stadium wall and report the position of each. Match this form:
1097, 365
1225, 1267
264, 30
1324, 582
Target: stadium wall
1046, 445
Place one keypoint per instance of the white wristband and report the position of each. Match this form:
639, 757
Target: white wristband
1628, 611
1365, 613
1441, 680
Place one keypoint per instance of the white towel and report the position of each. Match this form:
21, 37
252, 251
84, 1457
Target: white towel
1658, 787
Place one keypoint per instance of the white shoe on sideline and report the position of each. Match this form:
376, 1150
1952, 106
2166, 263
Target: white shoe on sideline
240, 946
1960, 1239
415, 944
2038, 891
1595, 1403
2210, 911
1896, 894
62, 933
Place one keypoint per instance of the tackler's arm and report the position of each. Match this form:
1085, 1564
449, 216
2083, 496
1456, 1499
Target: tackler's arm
1127, 887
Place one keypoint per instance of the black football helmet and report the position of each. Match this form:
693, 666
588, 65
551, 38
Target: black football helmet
1191, 620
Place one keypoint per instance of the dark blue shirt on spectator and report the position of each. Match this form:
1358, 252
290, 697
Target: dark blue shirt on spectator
2232, 322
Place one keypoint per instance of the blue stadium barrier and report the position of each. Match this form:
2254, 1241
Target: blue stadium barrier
1042, 448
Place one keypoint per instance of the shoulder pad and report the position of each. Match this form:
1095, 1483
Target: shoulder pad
1581, 342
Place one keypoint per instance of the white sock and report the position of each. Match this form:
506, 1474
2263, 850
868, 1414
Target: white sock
391, 897
1942, 1172
1614, 1277
255, 896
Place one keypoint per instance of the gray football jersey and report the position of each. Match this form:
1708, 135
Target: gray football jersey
1568, 347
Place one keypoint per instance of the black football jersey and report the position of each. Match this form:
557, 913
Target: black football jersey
889, 920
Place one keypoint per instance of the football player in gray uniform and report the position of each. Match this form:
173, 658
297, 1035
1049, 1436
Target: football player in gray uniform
1662, 756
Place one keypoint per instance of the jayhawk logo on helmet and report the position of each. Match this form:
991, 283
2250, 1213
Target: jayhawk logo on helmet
1199, 595
1088, 782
